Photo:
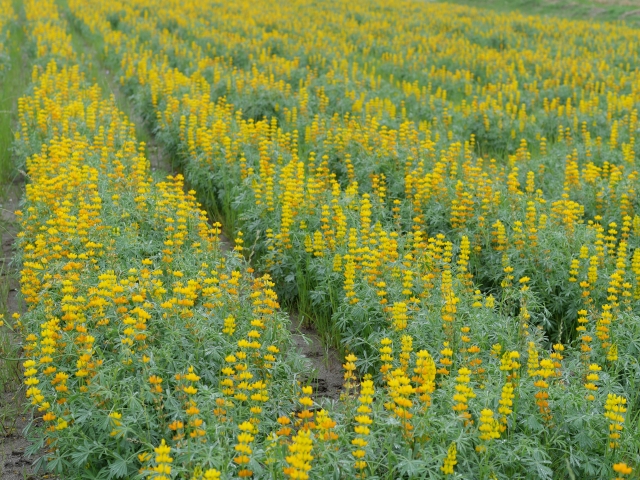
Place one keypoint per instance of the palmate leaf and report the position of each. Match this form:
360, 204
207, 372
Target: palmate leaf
540, 463
532, 423
584, 440
34, 446
317, 296
81, 455
411, 468
82, 415
118, 468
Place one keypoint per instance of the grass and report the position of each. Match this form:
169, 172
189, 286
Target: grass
602, 10
11, 87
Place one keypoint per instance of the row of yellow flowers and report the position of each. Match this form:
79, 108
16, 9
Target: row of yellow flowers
139, 329
286, 186
339, 205
143, 335
470, 193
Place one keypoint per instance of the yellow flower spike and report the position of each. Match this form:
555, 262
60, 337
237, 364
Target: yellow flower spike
615, 407
622, 469
489, 427
450, 460
425, 377
300, 458
212, 474
190, 390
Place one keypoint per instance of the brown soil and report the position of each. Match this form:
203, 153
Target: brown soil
8, 231
14, 465
325, 363
13, 414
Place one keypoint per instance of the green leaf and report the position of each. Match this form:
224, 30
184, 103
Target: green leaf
118, 468
80, 456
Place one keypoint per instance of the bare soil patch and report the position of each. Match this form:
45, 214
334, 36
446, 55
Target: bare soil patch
14, 417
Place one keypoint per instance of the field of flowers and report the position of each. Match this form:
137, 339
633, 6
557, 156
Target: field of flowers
448, 195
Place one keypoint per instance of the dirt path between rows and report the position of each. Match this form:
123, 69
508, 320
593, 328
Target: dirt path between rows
14, 417
14, 414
